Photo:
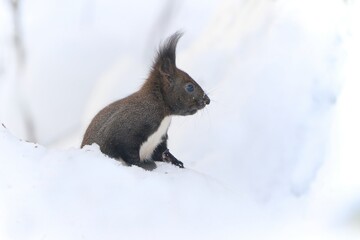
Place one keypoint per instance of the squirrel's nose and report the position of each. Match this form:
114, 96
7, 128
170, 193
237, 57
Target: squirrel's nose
206, 99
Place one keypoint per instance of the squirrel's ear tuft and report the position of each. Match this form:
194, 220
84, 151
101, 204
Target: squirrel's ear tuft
165, 60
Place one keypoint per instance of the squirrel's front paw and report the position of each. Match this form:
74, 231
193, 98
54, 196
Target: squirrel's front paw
168, 157
177, 163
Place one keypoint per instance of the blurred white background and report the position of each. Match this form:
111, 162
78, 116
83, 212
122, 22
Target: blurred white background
282, 75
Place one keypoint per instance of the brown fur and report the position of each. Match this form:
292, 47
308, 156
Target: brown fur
122, 127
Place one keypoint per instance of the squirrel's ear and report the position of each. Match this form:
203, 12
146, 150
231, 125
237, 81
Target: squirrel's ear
165, 59
167, 69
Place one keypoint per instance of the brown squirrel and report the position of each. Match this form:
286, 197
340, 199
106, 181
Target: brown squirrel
134, 128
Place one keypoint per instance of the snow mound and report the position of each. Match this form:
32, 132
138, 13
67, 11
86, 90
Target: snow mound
80, 193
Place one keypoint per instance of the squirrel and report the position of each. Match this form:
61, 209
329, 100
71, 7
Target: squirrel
134, 129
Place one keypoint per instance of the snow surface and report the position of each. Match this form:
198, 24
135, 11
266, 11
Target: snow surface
275, 155
82, 194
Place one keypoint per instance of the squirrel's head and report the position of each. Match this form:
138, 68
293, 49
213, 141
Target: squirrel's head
181, 93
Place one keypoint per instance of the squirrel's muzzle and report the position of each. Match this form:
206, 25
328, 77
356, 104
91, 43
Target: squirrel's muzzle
202, 102
206, 99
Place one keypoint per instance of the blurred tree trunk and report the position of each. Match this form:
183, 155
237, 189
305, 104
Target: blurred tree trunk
20, 67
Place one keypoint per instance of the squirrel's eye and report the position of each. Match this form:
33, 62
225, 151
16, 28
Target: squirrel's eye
189, 87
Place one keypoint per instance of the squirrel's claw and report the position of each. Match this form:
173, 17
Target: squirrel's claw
177, 163
168, 157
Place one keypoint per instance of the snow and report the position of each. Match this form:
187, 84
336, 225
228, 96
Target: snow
275, 154
74, 194
82, 194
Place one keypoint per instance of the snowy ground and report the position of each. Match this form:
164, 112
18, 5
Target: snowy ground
275, 155
81, 194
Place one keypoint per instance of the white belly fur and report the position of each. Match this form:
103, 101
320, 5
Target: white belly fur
148, 147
